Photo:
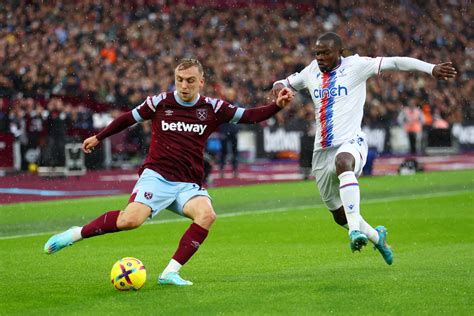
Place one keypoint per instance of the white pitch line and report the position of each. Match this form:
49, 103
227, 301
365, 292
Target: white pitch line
277, 210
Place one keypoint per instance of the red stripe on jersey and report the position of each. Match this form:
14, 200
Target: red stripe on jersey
322, 111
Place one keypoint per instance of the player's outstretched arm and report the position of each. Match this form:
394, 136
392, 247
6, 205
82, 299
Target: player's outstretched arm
261, 113
89, 144
444, 71
277, 87
116, 126
285, 96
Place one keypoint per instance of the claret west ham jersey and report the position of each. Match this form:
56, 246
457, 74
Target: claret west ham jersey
338, 96
180, 131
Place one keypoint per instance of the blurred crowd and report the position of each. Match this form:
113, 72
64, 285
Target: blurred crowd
118, 52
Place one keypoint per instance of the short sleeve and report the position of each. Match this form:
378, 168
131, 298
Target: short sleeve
368, 66
147, 109
297, 81
225, 111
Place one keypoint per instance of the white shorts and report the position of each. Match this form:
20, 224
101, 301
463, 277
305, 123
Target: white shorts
158, 193
324, 168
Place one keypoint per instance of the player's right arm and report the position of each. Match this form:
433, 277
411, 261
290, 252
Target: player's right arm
443, 71
142, 112
296, 81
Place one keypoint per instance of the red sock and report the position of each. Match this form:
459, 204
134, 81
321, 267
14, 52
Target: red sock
189, 243
106, 223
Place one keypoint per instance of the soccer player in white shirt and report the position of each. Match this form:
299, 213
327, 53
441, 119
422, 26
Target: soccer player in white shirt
337, 86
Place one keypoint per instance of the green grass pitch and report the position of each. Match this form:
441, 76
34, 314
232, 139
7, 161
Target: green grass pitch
274, 249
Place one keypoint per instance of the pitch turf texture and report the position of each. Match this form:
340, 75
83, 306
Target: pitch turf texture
273, 250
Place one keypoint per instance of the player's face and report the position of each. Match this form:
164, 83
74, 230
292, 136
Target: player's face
188, 83
327, 55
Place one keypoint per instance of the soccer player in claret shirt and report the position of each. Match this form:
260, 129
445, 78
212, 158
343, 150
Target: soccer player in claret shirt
337, 86
172, 172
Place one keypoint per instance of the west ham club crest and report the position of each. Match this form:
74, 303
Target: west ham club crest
201, 114
148, 195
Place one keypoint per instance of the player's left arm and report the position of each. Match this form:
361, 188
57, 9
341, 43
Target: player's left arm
442, 71
229, 113
261, 113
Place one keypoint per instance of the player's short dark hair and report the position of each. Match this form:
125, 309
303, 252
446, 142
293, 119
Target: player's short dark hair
330, 36
186, 63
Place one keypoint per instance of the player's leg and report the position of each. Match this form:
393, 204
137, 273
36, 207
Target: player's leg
350, 158
328, 185
199, 209
340, 217
113, 221
138, 210
377, 236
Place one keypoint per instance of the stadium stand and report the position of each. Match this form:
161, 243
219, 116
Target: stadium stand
63, 61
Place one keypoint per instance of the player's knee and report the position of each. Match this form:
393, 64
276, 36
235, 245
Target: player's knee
344, 162
339, 216
128, 222
209, 216
205, 217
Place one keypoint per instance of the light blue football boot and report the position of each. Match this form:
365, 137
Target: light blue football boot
358, 240
173, 278
382, 245
59, 241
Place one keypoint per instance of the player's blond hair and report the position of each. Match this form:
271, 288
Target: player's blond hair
186, 63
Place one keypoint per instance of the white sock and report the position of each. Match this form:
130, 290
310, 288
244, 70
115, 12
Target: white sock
76, 233
369, 231
173, 266
350, 197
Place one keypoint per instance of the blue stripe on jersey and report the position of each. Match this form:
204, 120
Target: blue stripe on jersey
183, 103
237, 116
136, 115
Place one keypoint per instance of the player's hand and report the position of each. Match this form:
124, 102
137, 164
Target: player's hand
276, 89
444, 71
89, 144
285, 96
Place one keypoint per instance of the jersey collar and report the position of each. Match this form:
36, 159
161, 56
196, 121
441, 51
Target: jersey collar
183, 103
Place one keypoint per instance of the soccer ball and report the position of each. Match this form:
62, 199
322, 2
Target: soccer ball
128, 274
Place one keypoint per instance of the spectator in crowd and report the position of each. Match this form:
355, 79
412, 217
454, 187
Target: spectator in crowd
228, 136
18, 129
56, 122
412, 119
113, 56
4, 119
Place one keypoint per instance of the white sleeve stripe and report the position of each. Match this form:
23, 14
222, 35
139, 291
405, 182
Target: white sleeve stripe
155, 100
150, 104
218, 106
283, 82
136, 115
237, 116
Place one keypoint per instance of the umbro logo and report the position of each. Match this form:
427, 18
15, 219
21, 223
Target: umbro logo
169, 112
